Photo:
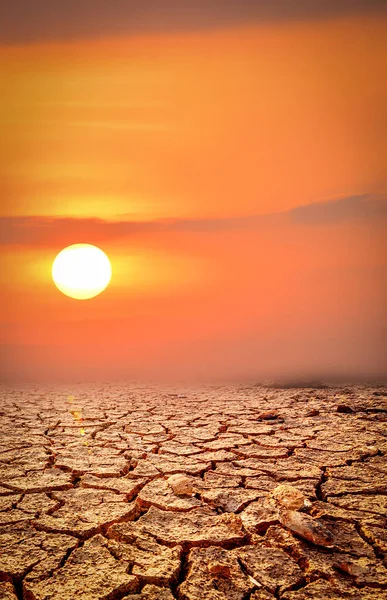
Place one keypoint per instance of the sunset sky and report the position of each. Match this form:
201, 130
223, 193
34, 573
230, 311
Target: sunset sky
231, 160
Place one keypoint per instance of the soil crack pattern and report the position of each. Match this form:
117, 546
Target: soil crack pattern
114, 491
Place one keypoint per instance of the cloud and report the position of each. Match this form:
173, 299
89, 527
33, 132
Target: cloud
41, 231
361, 206
46, 231
43, 20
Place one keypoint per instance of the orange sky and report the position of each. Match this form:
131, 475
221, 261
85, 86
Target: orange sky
235, 176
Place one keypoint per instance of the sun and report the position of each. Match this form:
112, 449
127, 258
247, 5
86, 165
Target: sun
81, 271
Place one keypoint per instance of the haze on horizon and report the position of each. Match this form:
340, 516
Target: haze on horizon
231, 162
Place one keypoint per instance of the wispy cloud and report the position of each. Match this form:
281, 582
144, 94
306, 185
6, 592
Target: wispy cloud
359, 206
44, 231
26, 21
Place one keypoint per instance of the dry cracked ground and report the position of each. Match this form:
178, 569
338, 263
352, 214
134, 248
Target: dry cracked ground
213, 493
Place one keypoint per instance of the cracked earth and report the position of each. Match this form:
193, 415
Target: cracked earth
110, 492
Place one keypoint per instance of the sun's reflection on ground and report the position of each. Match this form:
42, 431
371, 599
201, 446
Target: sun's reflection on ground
78, 418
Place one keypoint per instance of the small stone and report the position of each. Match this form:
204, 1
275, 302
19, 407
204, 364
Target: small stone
159, 493
344, 408
289, 496
268, 416
306, 527
180, 484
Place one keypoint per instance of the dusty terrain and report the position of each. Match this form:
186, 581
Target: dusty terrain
91, 505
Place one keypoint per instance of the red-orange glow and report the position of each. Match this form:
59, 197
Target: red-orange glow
184, 157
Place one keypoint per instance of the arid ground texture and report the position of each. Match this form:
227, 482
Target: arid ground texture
222, 492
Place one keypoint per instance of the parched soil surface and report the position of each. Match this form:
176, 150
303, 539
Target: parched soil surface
237, 492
